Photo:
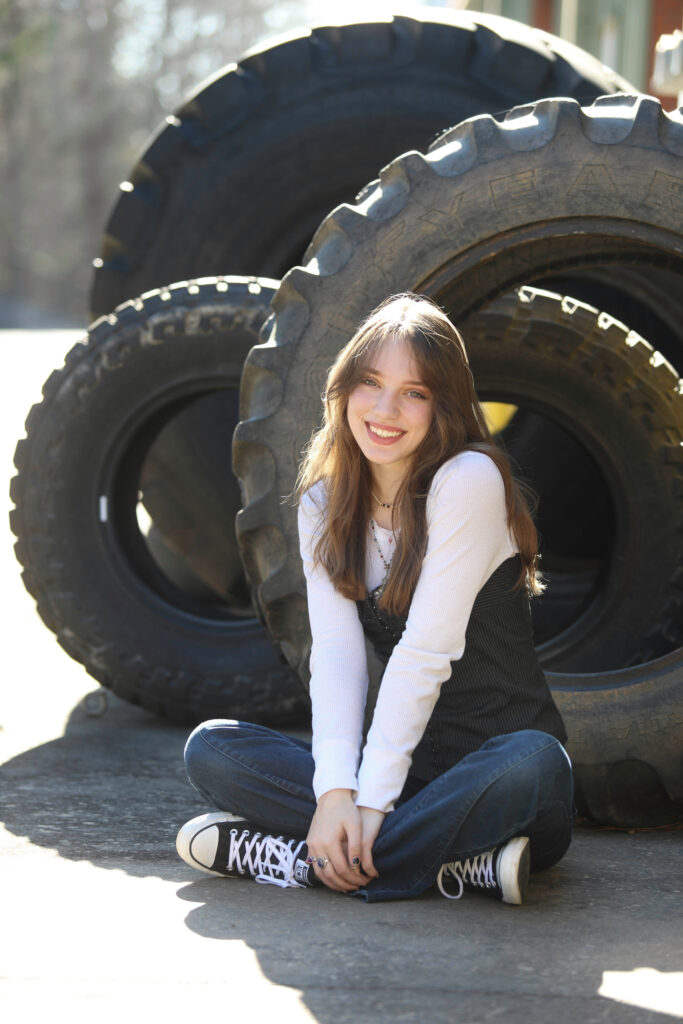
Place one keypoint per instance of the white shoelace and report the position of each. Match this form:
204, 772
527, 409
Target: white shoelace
267, 859
476, 871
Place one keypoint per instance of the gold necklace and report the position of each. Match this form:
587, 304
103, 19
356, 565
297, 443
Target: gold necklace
379, 502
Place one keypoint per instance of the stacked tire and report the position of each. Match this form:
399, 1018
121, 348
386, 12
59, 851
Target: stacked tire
541, 231
238, 179
157, 618
477, 214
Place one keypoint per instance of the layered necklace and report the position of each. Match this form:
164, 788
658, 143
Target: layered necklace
386, 562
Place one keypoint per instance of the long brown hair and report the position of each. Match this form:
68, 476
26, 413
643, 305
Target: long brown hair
334, 457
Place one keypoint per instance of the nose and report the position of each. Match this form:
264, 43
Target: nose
386, 404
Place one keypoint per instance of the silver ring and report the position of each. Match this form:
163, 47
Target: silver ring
322, 862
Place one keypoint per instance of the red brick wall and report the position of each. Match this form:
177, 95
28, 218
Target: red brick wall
543, 15
666, 16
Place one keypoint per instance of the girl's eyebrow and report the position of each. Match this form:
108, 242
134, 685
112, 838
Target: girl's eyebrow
376, 373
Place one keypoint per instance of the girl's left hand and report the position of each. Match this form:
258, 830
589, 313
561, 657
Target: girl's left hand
371, 823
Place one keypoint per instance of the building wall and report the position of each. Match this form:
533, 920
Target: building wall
666, 16
620, 33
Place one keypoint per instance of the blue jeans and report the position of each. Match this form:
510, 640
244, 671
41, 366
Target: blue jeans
516, 784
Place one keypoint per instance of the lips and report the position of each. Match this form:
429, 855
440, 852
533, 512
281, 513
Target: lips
383, 435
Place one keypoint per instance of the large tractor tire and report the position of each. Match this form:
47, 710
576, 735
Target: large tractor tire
152, 609
478, 214
626, 741
596, 394
299, 126
593, 387
553, 188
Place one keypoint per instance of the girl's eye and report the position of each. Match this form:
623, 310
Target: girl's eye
417, 394
370, 381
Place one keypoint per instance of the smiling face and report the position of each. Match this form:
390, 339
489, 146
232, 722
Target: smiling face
391, 410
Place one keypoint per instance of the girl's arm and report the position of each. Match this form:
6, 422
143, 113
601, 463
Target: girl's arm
468, 540
339, 682
339, 673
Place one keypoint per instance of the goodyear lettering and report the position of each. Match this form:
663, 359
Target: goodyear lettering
514, 189
592, 180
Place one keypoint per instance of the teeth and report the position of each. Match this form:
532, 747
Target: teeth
386, 433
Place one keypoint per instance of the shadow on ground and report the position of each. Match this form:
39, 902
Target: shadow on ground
112, 791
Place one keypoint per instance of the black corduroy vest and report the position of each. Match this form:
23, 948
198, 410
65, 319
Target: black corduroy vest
498, 685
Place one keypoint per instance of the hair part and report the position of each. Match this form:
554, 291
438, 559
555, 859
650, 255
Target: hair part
459, 424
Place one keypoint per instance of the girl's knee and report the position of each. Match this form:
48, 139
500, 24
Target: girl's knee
210, 741
526, 743
539, 763
537, 739
554, 769
197, 751
546, 746
216, 731
197, 740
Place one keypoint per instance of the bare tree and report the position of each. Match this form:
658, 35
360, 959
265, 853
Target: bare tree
83, 84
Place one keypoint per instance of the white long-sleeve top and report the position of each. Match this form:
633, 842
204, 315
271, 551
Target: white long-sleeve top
468, 538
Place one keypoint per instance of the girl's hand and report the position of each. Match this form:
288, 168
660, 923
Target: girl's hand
371, 823
335, 833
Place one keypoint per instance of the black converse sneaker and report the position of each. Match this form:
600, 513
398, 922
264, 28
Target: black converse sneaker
223, 844
502, 872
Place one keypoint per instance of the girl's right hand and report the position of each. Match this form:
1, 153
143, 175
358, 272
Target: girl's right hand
335, 833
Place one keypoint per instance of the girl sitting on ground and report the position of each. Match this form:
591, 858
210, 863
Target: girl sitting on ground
416, 537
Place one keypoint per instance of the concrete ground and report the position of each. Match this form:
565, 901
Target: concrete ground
99, 918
